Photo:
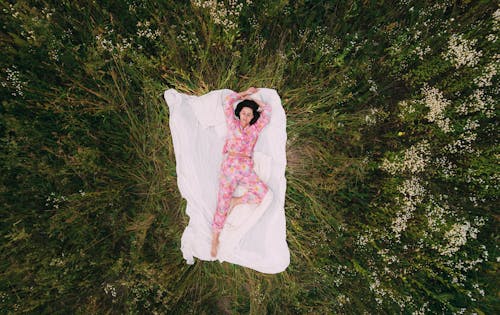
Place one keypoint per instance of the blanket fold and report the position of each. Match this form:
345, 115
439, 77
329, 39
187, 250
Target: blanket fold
254, 236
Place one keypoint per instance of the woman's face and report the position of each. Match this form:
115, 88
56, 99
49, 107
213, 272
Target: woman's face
246, 115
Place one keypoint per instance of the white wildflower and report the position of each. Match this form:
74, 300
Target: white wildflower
412, 193
373, 86
104, 44
437, 104
489, 72
219, 13
110, 289
406, 108
54, 54
48, 12
478, 101
362, 240
437, 214
491, 37
414, 160
423, 310
447, 167
496, 20
421, 52
457, 237
144, 30
461, 51
14, 81
463, 144
374, 116
342, 299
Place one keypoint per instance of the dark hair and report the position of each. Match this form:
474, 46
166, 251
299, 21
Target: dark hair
250, 104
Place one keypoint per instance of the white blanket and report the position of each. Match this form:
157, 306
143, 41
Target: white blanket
253, 236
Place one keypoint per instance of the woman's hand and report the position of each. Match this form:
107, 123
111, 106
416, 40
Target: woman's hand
251, 90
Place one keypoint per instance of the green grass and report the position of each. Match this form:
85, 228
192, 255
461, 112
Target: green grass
91, 213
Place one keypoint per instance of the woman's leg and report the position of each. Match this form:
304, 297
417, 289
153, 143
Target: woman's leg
227, 185
228, 181
256, 189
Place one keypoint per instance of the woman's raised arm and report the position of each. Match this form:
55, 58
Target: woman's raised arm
265, 114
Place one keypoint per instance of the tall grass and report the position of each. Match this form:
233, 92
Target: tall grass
387, 211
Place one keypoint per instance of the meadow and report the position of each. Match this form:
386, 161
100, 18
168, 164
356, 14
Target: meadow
392, 154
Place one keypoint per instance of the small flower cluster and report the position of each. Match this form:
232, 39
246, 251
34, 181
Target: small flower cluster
406, 108
423, 309
104, 44
219, 13
457, 237
475, 177
12, 11
371, 119
254, 23
471, 124
489, 72
492, 37
373, 86
110, 289
462, 145
375, 287
14, 81
413, 193
54, 54
437, 212
53, 51
260, 41
496, 20
465, 139
342, 299
460, 268
340, 274
435, 101
388, 259
363, 239
461, 51
188, 36
318, 40
57, 261
414, 160
478, 101
380, 292
56, 201
445, 166
421, 52
48, 12
144, 30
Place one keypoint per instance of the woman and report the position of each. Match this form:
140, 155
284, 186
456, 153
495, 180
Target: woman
237, 165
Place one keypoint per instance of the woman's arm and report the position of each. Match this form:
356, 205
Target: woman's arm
229, 110
265, 114
247, 92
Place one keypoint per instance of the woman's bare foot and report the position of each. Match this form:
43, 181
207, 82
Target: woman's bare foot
215, 244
